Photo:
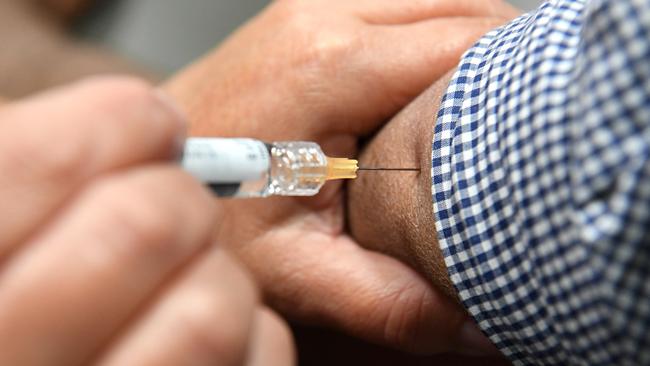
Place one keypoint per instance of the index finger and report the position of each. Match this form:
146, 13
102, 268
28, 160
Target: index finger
51, 144
402, 12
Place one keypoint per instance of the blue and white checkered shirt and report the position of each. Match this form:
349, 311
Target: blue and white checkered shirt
541, 184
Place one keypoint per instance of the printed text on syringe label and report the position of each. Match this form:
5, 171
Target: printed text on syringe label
226, 160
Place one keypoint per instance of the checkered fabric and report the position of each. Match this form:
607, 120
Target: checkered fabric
541, 184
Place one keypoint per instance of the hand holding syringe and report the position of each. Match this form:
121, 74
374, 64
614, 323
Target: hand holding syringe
247, 168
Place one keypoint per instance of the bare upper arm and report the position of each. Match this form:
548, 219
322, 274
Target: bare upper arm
392, 212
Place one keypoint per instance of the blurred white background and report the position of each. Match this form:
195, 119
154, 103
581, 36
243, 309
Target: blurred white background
167, 34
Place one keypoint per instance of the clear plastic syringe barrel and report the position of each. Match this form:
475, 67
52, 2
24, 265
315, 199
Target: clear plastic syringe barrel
297, 169
246, 168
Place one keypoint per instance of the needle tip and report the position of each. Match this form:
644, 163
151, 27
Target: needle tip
390, 169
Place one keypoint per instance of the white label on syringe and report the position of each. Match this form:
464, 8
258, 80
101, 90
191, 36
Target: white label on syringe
220, 160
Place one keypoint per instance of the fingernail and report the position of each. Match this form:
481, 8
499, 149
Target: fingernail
473, 342
180, 116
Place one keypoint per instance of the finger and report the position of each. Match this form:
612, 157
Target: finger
400, 62
369, 295
424, 52
272, 342
51, 144
203, 319
103, 257
410, 11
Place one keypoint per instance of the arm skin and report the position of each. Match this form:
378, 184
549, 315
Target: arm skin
392, 212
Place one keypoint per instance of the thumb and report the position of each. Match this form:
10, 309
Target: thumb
335, 283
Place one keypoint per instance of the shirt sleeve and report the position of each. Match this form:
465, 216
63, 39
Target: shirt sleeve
541, 184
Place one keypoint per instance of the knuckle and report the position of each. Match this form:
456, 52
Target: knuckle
319, 44
404, 320
325, 56
324, 50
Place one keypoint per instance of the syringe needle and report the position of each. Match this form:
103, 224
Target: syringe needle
389, 169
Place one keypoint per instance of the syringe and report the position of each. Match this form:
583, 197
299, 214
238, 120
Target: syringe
247, 168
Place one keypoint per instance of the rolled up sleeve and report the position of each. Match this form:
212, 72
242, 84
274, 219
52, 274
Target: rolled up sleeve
541, 184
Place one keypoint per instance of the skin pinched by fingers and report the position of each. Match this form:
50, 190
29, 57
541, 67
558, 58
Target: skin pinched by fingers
393, 213
321, 71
